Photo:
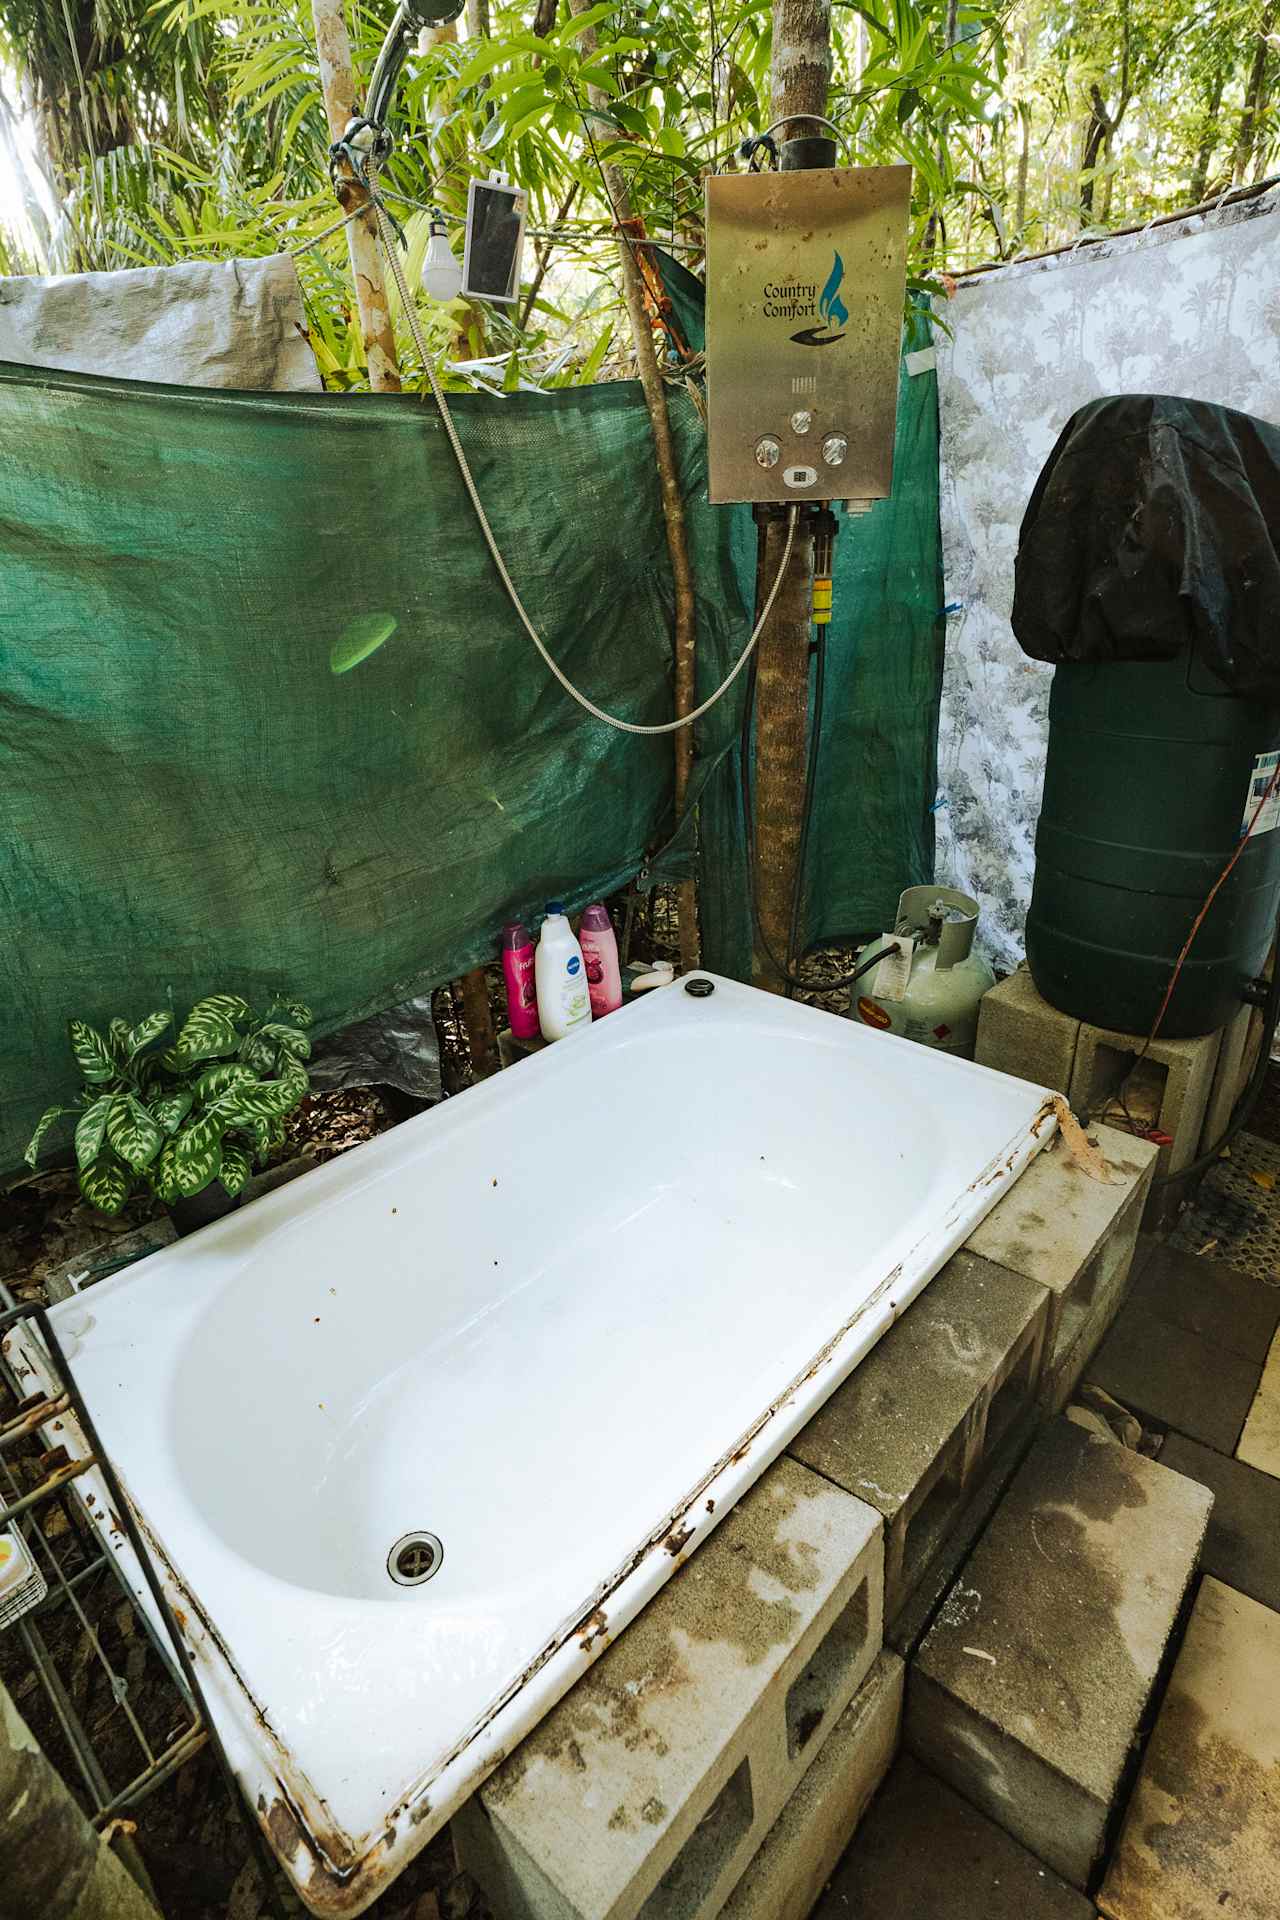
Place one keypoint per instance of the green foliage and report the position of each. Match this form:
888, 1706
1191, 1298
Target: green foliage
243, 170
167, 1119
195, 129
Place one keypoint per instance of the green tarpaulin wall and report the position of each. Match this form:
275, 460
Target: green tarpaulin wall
192, 799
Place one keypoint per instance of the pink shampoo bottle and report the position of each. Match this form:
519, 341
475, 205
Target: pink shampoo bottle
600, 957
517, 972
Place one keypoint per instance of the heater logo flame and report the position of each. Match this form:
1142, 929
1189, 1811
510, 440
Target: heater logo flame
832, 308
830, 305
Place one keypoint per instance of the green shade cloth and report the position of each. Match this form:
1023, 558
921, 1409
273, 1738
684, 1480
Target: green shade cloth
193, 799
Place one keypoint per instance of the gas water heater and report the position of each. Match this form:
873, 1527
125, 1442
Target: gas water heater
930, 990
806, 278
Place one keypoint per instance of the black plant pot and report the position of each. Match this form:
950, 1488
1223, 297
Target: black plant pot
201, 1209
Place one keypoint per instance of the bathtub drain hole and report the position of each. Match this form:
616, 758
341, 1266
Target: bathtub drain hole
415, 1557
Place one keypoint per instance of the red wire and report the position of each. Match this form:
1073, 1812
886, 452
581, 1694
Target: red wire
1199, 919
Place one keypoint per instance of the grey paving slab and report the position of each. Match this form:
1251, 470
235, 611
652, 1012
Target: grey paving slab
1208, 1298
1242, 1545
923, 1853
1201, 1838
1175, 1378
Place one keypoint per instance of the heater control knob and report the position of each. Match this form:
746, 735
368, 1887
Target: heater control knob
834, 449
801, 421
768, 452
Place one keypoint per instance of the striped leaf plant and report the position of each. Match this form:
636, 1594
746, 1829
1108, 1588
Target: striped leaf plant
174, 1117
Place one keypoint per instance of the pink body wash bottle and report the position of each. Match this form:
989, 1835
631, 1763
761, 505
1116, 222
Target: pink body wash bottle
517, 972
600, 956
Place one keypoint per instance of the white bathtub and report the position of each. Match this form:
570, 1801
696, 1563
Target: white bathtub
561, 1324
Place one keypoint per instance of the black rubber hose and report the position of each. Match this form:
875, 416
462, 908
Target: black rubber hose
1248, 1099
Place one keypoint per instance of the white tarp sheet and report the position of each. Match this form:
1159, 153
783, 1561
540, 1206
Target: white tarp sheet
227, 323
1192, 308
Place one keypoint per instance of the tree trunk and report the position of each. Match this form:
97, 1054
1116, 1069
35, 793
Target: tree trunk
53, 1864
478, 20
478, 1021
1024, 162
801, 66
686, 637
1209, 141
781, 751
801, 72
542, 252
1254, 94
333, 49
1098, 127
933, 226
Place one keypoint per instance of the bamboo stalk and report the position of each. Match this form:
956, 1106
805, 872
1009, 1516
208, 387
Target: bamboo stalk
333, 49
686, 637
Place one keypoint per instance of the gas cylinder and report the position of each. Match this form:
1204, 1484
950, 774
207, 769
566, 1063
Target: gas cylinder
936, 1002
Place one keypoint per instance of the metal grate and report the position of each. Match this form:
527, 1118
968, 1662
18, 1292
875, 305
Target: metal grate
1235, 1216
87, 1642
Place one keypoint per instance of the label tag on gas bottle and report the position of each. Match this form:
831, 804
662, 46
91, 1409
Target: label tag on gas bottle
1262, 802
893, 976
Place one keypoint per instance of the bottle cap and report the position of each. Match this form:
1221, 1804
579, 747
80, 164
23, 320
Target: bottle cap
515, 935
555, 906
596, 917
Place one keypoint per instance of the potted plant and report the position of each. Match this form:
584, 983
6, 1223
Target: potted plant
187, 1120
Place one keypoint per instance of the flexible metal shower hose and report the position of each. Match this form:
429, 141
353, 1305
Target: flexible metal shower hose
597, 713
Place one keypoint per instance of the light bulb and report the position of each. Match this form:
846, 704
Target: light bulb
441, 273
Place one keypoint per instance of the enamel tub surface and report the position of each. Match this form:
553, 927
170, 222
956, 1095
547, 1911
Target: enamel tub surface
556, 1327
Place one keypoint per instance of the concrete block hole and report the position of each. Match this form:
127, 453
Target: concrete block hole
836, 1656
683, 1888
932, 1516
1011, 1397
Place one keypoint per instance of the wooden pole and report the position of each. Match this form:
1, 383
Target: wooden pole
801, 72
51, 1860
685, 660
333, 46
333, 49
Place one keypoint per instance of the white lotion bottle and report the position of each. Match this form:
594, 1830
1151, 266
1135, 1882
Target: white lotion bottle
560, 977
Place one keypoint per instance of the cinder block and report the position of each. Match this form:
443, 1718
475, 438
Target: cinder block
653, 1783
107, 1252
915, 1616
799, 1853
1169, 1089
1028, 1692
910, 1427
1201, 1838
104, 1255
1075, 1235
1230, 1072
1020, 1033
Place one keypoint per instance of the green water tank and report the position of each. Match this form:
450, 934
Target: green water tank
1153, 770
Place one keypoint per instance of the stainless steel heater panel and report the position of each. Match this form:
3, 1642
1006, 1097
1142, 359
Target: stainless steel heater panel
806, 279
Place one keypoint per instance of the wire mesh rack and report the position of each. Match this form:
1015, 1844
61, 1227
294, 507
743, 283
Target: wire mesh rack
122, 1697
